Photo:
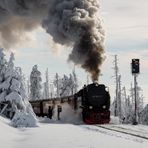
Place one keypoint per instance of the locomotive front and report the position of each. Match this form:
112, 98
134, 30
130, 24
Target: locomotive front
95, 104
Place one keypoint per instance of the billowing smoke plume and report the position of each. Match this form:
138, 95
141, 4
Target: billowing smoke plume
17, 17
70, 22
76, 22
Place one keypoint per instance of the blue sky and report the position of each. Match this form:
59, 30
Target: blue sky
125, 24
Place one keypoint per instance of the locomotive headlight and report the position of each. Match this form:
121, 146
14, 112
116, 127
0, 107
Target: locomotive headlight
103, 106
90, 107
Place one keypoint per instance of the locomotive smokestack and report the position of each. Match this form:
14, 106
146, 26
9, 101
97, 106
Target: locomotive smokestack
74, 23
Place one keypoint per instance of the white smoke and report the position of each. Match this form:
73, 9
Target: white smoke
70, 22
68, 114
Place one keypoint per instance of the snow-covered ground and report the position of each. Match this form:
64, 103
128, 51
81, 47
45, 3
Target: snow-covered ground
64, 135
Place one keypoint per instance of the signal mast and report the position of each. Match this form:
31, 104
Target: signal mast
135, 71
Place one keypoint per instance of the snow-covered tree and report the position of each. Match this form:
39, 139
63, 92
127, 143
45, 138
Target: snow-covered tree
46, 86
65, 86
132, 102
75, 81
8, 74
3, 64
35, 83
52, 92
140, 99
56, 84
28, 87
12, 89
144, 115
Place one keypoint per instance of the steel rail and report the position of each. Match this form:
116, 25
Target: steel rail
122, 131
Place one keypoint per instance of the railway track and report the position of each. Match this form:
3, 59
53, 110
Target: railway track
128, 131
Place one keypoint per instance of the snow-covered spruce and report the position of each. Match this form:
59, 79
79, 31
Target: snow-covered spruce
12, 89
67, 85
35, 83
144, 115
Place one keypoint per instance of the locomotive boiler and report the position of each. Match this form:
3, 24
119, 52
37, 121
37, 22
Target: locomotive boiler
95, 103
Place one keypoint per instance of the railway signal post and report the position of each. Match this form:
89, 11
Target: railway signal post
135, 71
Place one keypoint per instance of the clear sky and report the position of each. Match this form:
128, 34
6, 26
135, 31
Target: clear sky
125, 24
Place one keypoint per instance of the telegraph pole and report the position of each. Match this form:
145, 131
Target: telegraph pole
116, 80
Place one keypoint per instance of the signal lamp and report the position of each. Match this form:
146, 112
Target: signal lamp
135, 66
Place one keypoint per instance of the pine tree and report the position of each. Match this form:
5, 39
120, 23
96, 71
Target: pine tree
46, 86
72, 84
56, 84
66, 86
144, 115
3, 64
12, 89
35, 83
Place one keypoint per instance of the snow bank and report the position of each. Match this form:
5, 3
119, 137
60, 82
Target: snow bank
8, 134
114, 120
23, 119
66, 136
24, 115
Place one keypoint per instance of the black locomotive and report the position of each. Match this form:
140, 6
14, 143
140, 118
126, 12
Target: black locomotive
95, 103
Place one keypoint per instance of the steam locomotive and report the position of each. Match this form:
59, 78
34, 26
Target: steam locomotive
95, 103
